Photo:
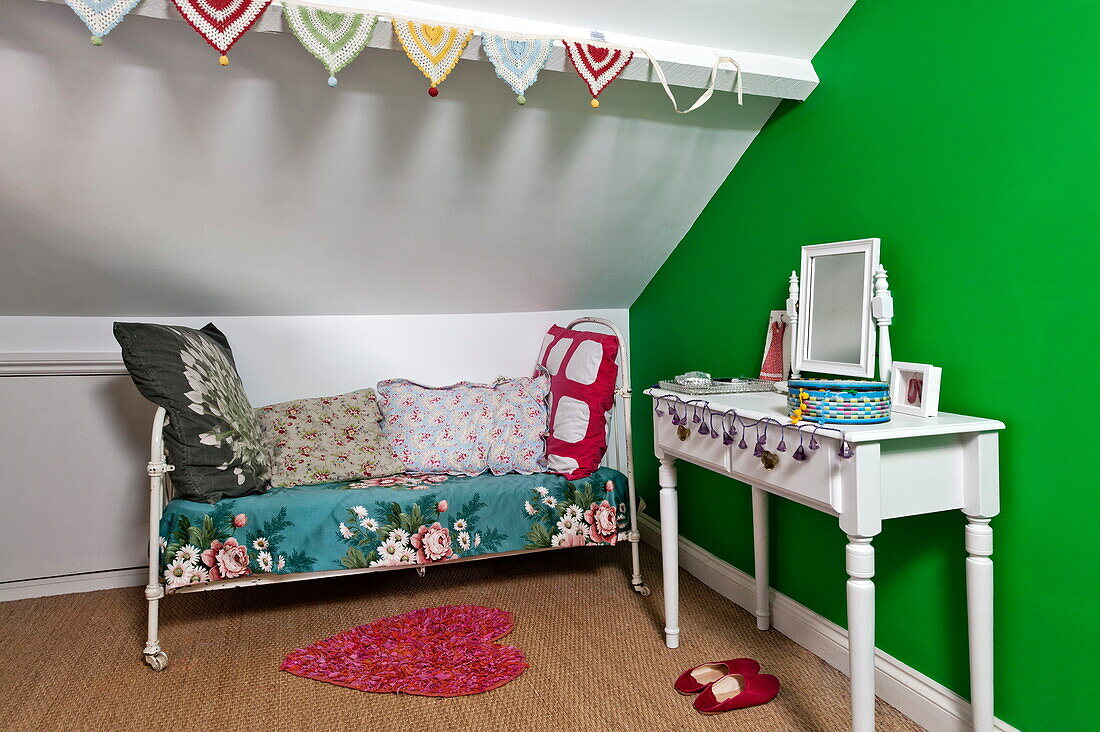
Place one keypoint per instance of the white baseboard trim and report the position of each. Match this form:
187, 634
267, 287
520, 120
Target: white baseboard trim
926, 702
109, 580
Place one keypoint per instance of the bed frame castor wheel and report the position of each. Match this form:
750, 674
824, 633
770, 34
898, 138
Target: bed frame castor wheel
158, 661
642, 590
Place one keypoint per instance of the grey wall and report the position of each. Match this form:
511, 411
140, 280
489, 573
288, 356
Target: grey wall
143, 177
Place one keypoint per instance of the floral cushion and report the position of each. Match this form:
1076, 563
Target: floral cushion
326, 439
466, 429
212, 436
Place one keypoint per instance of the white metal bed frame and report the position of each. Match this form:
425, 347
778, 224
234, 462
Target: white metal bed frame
620, 455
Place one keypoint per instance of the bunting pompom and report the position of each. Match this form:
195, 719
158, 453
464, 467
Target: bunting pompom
101, 16
334, 39
517, 63
597, 65
221, 22
434, 49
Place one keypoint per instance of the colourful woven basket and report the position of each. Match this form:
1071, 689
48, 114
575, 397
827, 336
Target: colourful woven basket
829, 401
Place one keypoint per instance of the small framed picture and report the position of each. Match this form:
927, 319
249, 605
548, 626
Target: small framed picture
915, 389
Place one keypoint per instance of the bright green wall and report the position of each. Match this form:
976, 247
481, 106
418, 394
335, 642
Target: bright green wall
967, 137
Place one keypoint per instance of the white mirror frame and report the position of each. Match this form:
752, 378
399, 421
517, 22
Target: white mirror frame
802, 361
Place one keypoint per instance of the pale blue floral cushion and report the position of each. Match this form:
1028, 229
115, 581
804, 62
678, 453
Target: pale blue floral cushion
466, 429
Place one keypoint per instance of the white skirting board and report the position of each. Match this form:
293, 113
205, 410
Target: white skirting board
85, 582
926, 702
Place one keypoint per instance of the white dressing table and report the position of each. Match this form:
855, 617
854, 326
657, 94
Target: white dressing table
905, 467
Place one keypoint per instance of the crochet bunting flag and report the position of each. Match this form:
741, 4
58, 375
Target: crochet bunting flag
434, 49
221, 22
597, 65
517, 63
101, 16
335, 39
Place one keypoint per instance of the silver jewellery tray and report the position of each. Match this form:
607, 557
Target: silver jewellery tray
697, 383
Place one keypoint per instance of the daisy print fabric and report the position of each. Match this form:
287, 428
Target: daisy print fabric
386, 523
466, 429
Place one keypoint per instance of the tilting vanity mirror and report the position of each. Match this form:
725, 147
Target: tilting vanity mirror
843, 288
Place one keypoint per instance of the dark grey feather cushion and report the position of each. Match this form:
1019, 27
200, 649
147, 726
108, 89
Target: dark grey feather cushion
212, 436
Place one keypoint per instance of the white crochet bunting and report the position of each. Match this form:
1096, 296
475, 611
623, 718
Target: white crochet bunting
434, 49
335, 39
517, 62
221, 22
103, 15
597, 65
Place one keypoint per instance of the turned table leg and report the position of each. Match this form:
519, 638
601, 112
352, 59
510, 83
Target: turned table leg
860, 565
979, 613
670, 559
760, 555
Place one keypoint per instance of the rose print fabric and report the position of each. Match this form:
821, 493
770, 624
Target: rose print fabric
387, 522
466, 429
326, 439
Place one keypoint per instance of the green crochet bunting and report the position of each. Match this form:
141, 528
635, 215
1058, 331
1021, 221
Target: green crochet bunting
335, 39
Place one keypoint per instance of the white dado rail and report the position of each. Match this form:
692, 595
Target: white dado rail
61, 364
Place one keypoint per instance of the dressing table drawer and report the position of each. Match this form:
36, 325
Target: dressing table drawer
810, 480
695, 448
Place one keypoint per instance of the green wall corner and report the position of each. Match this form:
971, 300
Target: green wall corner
965, 136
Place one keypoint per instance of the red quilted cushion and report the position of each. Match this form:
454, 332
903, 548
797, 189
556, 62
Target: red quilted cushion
582, 390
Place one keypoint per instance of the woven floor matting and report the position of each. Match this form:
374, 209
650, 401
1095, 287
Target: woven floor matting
595, 649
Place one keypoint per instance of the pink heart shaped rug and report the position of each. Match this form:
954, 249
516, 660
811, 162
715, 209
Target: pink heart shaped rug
437, 651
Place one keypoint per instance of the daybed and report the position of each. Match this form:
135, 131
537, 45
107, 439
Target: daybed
290, 534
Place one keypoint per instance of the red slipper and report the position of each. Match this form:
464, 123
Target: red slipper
736, 691
696, 679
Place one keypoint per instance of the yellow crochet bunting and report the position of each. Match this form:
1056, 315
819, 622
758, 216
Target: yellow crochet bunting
434, 49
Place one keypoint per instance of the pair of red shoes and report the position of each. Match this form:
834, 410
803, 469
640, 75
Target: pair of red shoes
727, 685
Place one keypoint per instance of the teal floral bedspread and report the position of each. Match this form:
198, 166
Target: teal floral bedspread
383, 522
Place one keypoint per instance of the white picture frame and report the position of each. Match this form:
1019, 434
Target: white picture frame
853, 298
915, 389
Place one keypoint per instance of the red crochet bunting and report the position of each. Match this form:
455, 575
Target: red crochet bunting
439, 651
597, 65
221, 22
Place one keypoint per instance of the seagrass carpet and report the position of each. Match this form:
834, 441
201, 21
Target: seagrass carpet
595, 649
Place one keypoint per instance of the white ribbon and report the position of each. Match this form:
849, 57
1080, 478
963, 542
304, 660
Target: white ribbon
706, 95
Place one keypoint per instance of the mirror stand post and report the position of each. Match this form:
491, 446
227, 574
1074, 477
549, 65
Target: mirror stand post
882, 307
792, 319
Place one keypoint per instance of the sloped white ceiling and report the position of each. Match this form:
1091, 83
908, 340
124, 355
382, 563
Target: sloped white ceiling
140, 177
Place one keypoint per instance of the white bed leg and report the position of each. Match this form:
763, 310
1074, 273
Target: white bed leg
154, 656
670, 560
636, 562
154, 591
635, 536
